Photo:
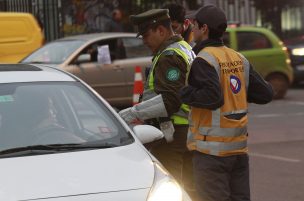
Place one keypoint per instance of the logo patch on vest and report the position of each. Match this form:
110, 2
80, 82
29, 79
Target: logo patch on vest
173, 74
235, 84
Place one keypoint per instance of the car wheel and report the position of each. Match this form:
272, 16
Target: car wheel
280, 85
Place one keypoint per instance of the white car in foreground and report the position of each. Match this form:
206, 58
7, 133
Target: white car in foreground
60, 141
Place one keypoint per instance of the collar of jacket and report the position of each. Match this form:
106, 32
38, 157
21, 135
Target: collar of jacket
168, 42
207, 43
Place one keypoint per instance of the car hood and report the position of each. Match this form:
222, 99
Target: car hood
75, 173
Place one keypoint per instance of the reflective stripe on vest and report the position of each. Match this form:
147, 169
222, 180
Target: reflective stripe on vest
183, 49
215, 148
247, 69
211, 132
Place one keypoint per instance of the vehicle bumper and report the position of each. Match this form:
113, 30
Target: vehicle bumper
298, 72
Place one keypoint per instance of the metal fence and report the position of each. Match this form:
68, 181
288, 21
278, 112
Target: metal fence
60, 18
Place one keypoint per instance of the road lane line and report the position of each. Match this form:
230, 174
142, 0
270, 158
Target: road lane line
296, 102
279, 158
276, 115
266, 115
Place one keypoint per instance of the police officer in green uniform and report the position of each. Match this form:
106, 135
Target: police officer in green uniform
161, 101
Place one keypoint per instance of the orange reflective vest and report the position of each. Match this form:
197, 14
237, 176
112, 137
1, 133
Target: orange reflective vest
211, 131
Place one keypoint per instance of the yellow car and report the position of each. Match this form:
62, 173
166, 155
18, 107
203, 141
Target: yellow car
20, 35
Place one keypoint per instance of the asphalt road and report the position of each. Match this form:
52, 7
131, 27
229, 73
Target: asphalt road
276, 149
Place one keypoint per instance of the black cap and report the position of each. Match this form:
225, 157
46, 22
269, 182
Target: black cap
151, 17
211, 15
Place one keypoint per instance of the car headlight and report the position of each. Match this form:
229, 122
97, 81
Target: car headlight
298, 51
165, 188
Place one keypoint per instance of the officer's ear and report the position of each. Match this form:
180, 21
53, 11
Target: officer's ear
161, 29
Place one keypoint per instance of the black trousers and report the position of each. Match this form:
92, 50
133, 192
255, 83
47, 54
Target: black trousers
221, 178
177, 159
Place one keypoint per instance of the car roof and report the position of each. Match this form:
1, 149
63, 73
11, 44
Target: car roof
11, 73
247, 28
94, 36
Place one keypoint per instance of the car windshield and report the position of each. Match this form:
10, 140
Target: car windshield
61, 113
54, 53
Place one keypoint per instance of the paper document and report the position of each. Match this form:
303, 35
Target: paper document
104, 54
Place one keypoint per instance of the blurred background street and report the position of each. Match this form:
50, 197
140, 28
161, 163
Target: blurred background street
276, 148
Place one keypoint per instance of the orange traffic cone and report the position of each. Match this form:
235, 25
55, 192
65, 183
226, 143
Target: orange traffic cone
138, 85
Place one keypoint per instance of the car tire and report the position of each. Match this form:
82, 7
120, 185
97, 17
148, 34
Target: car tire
280, 85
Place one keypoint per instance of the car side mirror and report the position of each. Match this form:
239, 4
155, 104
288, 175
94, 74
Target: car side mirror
147, 133
83, 58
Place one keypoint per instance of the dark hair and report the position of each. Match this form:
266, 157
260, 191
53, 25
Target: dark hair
166, 23
176, 11
215, 33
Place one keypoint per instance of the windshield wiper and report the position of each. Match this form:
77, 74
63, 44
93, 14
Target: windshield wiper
51, 148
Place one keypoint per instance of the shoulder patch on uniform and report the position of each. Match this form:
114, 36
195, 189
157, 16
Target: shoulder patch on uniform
173, 74
168, 52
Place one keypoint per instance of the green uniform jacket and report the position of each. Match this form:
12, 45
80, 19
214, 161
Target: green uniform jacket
170, 75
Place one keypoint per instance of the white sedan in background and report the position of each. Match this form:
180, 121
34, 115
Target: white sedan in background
60, 141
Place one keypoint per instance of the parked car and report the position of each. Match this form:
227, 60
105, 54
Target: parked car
59, 140
265, 52
295, 48
20, 36
105, 61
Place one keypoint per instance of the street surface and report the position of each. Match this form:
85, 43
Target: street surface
276, 148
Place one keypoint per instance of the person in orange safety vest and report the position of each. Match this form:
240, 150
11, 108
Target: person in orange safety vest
221, 82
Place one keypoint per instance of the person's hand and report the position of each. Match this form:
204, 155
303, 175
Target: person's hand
168, 130
128, 115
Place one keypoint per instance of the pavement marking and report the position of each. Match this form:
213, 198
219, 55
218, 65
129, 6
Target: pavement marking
277, 115
296, 102
279, 158
266, 115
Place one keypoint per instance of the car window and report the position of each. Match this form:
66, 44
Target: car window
114, 47
252, 41
134, 48
48, 113
55, 52
90, 117
226, 39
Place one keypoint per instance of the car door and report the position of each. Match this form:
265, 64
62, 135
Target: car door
136, 54
96, 65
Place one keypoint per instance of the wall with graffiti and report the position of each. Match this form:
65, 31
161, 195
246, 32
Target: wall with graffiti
83, 16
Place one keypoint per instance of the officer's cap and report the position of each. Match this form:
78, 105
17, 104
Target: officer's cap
211, 15
145, 20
